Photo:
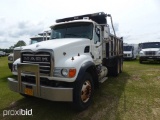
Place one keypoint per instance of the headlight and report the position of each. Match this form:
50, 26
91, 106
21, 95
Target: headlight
64, 72
10, 58
141, 53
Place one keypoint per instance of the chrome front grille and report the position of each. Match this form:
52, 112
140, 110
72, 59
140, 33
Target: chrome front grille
16, 54
43, 59
150, 53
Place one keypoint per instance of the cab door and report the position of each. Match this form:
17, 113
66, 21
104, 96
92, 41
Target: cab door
97, 45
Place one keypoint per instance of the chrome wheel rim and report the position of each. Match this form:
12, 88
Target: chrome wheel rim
86, 91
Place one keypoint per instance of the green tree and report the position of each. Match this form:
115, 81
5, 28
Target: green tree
20, 43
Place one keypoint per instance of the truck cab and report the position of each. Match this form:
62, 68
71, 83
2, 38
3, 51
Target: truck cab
79, 56
130, 51
149, 51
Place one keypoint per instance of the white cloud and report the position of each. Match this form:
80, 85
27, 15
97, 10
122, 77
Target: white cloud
135, 20
21, 30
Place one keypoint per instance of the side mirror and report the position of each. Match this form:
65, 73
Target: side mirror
95, 42
106, 32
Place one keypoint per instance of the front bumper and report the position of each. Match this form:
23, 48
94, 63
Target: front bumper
127, 57
49, 93
145, 58
45, 92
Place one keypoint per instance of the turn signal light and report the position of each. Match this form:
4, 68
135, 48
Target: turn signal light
72, 73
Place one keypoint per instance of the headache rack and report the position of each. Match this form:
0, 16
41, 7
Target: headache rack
99, 18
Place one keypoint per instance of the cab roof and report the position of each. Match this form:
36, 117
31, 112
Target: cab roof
74, 21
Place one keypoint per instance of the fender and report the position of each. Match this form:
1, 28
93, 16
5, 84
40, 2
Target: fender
92, 71
83, 69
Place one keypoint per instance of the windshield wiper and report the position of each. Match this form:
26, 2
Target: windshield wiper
54, 37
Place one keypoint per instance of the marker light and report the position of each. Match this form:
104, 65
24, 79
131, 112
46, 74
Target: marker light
72, 73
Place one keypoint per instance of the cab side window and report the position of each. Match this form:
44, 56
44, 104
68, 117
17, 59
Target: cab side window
97, 35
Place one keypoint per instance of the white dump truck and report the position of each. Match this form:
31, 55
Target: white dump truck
130, 51
79, 56
149, 51
16, 52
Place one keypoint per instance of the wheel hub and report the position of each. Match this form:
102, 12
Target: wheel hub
86, 91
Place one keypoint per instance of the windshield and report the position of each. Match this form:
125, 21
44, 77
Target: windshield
35, 40
127, 48
72, 30
151, 45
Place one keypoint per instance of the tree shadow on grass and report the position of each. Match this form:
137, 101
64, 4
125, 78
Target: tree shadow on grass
41, 109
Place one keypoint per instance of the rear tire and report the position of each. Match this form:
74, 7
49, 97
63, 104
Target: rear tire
121, 65
115, 70
83, 92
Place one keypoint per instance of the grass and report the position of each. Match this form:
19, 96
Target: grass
135, 94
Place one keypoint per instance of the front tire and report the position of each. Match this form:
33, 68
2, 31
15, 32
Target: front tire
140, 61
83, 92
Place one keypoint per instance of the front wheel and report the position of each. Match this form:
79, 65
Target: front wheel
83, 92
140, 61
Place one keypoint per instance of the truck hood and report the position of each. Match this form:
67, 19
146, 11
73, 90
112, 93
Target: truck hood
58, 43
151, 49
19, 48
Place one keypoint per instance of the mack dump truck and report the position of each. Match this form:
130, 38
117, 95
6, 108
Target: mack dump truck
68, 67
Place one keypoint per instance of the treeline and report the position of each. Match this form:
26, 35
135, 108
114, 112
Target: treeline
7, 50
18, 44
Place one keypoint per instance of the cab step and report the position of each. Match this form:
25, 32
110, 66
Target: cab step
104, 79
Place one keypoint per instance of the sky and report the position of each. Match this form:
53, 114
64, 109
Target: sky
135, 20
